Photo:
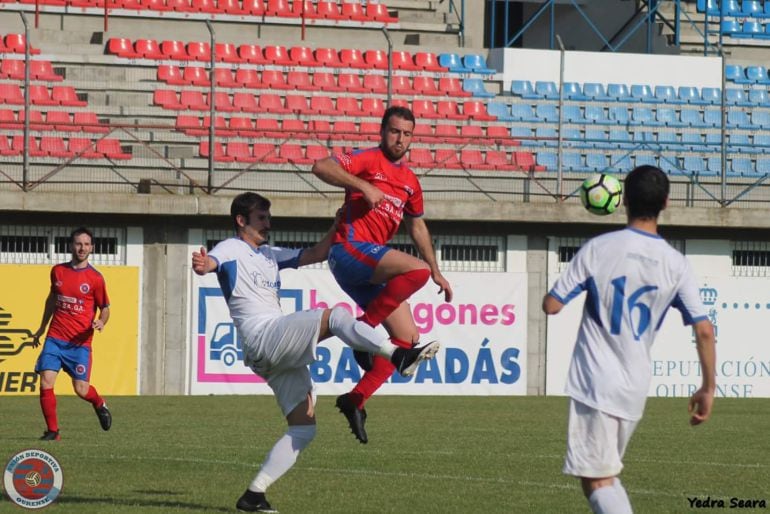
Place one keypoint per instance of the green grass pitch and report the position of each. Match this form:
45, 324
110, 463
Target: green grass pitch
425, 455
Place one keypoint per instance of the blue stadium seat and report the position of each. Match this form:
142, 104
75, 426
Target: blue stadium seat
620, 139
665, 94
741, 166
572, 138
758, 97
736, 97
757, 74
730, 7
763, 166
477, 63
595, 91
713, 141
618, 114
572, 161
760, 119
546, 136
453, 62
713, 166
740, 143
620, 164
641, 93
476, 88
709, 6
546, 113
619, 92
596, 162
752, 28
711, 96
645, 160
643, 116
668, 140
668, 117
519, 112
692, 141
669, 165
692, 118
547, 159
597, 138
573, 91
762, 142
688, 94
573, 114
729, 27
738, 118
595, 114
503, 112
752, 8
694, 165
735, 73
523, 132
523, 88
712, 118
547, 90
645, 138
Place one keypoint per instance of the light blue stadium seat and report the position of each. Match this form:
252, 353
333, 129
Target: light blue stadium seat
767, 9
763, 166
645, 139
523, 132
712, 118
546, 136
752, 28
668, 140
730, 7
713, 166
693, 165
573, 114
595, 114
668, 117
596, 162
710, 6
519, 112
760, 119
688, 94
620, 139
618, 114
454, 62
595, 91
573, 138
692, 118
619, 92
752, 8
547, 159
741, 166
597, 138
643, 116
503, 112
573, 91
477, 63
572, 161
711, 95
523, 88
620, 164
735, 73
740, 143
547, 90
476, 88
758, 97
547, 113
738, 118
645, 160
669, 165
730, 27
665, 94
642, 93
713, 141
737, 97
757, 74
692, 141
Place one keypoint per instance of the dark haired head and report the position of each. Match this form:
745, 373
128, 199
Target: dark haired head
245, 203
398, 111
80, 230
645, 190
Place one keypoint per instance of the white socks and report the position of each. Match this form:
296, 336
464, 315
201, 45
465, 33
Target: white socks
358, 334
283, 456
610, 500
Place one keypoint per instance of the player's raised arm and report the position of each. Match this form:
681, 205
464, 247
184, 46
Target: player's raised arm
319, 251
331, 172
703, 399
202, 263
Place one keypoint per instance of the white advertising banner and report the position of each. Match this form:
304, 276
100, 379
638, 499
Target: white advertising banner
482, 334
739, 308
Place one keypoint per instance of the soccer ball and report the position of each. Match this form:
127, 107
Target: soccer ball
601, 194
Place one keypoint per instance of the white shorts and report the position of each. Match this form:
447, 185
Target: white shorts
596, 442
281, 353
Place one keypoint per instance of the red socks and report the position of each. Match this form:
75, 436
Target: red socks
381, 371
93, 397
396, 291
48, 404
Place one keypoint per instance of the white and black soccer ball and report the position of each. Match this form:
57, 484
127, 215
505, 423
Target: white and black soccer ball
601, 194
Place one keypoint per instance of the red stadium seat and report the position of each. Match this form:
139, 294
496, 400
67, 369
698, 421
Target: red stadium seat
219, 151
316, 152
403, 61
11, 94
353, 11
17, 143
254, 7
40, 95
473, 133
190, 125
326, 82
298, 104
240, 152
477, 110
12, 69
148, 48
268, 127
199, 51
373, 106
295, 129
122, 47
379, 12
82, 147
424, 109
16, 43
226, 52
220, 126
321, 129
302, 56
376, 59
402, 85
421, 158
423, 132
279, 8
272, 103
452, 86
501, 135
247, 77
174, 50
245, 102
428, 61
88, 122
376, 83
267, 152
472, 158
171, 74
328, 57
43, 70
230, 7
449, 109
242, 126
424, 85
196, 75
304, 8
352, 57
274, 79
329, 10
223, 103
524, 161
277, 54
167, 99
5, 147
252, 54
448, 134
351, 83
204, 6
499, 160
294, 154
224, 77
193, 100
179, 5
447, 158
300, 80
155, 5
8, 119
370, 129
58, 120
323, 105
348, 106
54, 147
36, 121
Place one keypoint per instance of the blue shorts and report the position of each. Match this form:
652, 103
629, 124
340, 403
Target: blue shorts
353, 264
58, 354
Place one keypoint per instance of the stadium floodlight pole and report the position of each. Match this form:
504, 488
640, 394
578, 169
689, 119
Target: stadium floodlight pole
559, 151
723, 130
25, 162
390, 62
212, 111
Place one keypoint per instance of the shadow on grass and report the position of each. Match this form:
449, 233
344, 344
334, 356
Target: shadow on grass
140, 503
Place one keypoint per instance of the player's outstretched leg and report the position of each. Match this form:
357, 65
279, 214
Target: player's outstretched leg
100, 406
253, 502
406, 360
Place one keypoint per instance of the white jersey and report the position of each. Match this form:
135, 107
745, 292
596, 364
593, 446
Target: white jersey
250, 281
631, 278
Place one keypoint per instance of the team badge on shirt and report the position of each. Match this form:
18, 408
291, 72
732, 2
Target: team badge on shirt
33, 479
84, 288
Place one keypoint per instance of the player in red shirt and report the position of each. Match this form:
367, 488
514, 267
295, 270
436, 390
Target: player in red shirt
380, 192
77, 291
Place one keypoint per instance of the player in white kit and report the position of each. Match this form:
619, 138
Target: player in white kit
631, 277
277, 346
